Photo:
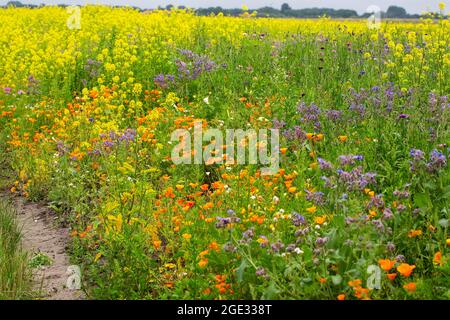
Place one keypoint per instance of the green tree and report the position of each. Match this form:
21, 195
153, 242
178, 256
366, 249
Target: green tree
396, 12
285, 7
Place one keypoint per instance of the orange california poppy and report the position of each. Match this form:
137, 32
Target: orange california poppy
437, 259
386, 264
410, 287
391, 276
405, 269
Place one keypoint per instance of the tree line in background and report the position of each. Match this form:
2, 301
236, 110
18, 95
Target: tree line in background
393, 12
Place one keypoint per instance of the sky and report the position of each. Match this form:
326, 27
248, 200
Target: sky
412, 6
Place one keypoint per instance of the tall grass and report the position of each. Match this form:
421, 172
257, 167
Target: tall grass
14, 272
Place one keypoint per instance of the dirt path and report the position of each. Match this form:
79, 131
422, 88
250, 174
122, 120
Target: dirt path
40, 234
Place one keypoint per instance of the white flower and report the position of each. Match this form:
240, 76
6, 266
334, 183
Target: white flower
298, 251
276, 199
206, 100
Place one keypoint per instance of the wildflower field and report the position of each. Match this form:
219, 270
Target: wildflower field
358, 209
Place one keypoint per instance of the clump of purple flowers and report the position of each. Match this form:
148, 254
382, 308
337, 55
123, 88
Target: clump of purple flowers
324, 165
298, 219
195, 65
164, 81
278, 124
62, 148
334, 115
357, 102
318, 198
92, 69
321, 241
247, 235
349, 159
295, 133
115, 138
376, 201
128, 135
223, 222
437, 104
356, 179
436, 162
261, 272
309, 114
32, 85
277, 246
417, 154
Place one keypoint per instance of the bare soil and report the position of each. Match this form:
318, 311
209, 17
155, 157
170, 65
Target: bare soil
41, 234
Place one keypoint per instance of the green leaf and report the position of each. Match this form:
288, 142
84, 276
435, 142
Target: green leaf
337, 279
422, 200
240, 271
270, 292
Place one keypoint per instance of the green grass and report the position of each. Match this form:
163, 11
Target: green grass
40, 260
14, 271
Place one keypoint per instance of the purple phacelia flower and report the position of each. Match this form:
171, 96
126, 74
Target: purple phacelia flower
437, 161
324, 165
321, 241
387, 214
316, 197
417, 154
298, 219
277, 246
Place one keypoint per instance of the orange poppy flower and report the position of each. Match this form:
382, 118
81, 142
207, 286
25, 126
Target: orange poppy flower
208, 205
437, 259
414, 233
313, 165
187, 236
320, 220
217, 185
362, 293
169, 193
355, 283
391, 276
311, 209
292, 189
214, 246
157, 244
341, 297
410, 287
203, 262
386, 264
203, 253
405, 269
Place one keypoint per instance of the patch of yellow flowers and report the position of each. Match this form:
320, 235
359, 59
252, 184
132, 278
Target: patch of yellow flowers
39, 43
